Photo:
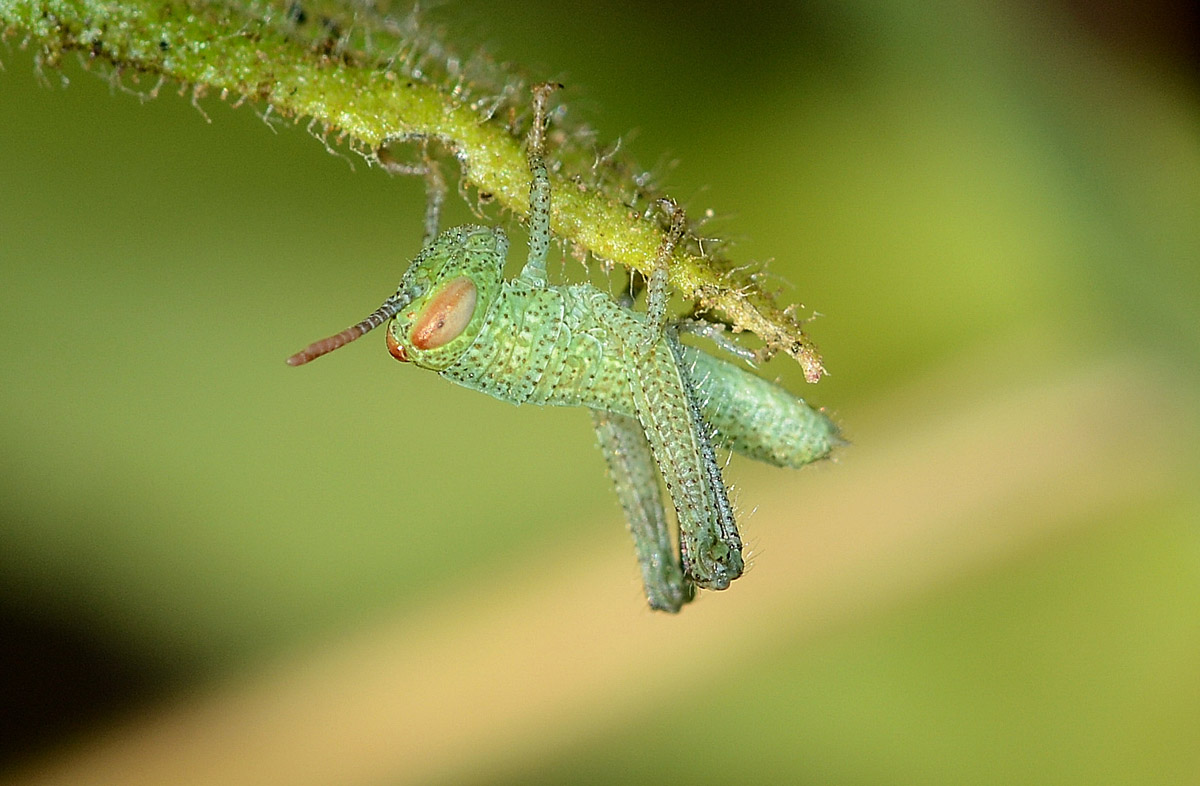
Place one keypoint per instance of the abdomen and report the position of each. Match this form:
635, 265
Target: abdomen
758, 418
571, 346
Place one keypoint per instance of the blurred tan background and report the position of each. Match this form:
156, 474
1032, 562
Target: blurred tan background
217, 569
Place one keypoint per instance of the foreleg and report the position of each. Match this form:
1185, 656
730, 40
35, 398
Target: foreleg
534, 271
435, 185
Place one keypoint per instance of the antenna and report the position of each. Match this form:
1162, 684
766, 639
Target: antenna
389, 309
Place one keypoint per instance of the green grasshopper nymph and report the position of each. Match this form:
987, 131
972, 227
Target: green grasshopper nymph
655, 402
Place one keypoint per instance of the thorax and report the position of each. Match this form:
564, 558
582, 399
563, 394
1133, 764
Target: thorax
560, 345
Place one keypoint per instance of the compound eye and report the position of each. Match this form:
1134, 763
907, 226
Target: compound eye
446, 315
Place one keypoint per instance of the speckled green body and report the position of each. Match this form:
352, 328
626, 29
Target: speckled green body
559, 345
658, 407
656, 403
572, 346
527, 342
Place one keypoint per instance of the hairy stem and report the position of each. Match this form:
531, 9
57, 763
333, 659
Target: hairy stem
303, 60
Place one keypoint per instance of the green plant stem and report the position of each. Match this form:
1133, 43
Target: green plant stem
230, 50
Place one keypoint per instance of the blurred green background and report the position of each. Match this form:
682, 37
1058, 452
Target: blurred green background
991, 205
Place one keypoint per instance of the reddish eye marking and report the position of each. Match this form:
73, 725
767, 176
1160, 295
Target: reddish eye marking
446, 315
